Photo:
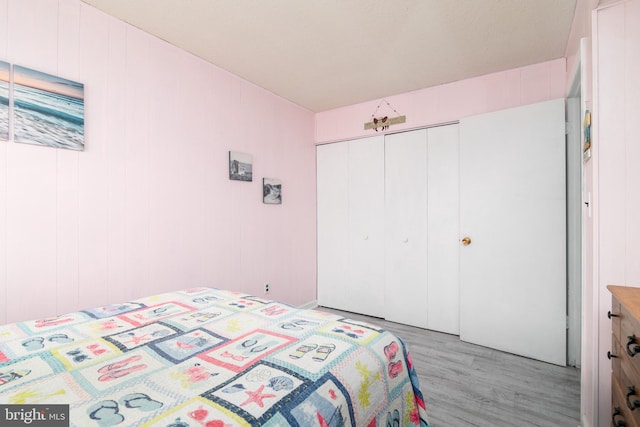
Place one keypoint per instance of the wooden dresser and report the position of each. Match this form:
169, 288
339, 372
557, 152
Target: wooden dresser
625, 356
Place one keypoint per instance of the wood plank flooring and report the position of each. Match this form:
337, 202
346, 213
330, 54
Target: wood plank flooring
469, 385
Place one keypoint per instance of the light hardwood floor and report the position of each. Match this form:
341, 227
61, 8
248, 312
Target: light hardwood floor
469, 385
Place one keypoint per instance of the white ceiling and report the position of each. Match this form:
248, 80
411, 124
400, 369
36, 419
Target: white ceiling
324, 54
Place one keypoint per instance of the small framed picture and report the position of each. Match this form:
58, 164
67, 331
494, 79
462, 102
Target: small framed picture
271, 191
240, 166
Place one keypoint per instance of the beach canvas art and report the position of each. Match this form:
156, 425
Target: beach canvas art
240, 166
271, 191
47, 110
4, 100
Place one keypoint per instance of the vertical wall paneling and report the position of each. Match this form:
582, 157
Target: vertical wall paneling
218, 216
168, 141
136, 131
113, 135
632, 148
67, 169
615, 171
31, 175
193, 184
443, 229
92, 180
4, 5
611, 185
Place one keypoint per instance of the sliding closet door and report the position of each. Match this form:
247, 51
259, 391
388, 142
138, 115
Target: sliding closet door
512, 194
333, 223
350, 195
364, 292
421, 227
406, 228
442, 225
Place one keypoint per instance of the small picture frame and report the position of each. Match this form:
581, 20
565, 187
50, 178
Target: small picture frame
271, 191
240, 166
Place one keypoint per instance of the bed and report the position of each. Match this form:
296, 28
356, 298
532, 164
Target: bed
213, 358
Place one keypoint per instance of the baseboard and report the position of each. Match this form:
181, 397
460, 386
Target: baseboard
583, 422
310, 305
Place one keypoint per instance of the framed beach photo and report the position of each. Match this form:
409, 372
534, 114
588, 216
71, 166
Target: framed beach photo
4, 100
47, 110
240, 166
271, 191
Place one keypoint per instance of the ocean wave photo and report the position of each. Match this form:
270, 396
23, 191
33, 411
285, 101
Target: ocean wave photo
4, 100
48, 110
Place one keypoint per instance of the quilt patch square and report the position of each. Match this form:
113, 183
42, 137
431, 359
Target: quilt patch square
21, 371
43, 326
353, 332
361, 374
236, 325
155, 313
246, 350
205, 299
11, 332
144, 335
391, 351
113, 310
242, 304
313, 355
197, 412
320, 407
120, 370
274, 310
183, 346
198, 318
258, 392
85, 353
58, 389
296, 326
41, 342
191, 377
128, 407
102, 327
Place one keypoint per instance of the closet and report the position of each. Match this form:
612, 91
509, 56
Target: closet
458, 228
350, 195
387, 227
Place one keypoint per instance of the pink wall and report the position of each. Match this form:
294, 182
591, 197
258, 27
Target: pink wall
148, 207
449, 102
616, 175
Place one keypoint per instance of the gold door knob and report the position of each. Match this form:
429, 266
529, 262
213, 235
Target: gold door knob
466, 241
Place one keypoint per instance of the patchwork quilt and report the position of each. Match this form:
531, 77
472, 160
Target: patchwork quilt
212, 358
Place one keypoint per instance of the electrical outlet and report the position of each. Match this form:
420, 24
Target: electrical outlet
266, 287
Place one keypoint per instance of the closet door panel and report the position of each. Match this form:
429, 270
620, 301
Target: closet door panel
443, 219
365, 290
406, 228
333, 223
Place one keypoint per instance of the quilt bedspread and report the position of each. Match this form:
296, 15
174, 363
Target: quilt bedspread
210, 357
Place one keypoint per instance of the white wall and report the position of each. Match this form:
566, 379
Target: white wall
148, 207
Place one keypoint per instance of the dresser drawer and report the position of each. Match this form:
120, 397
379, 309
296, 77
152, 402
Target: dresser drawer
620, 413
629, 383
629, 338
